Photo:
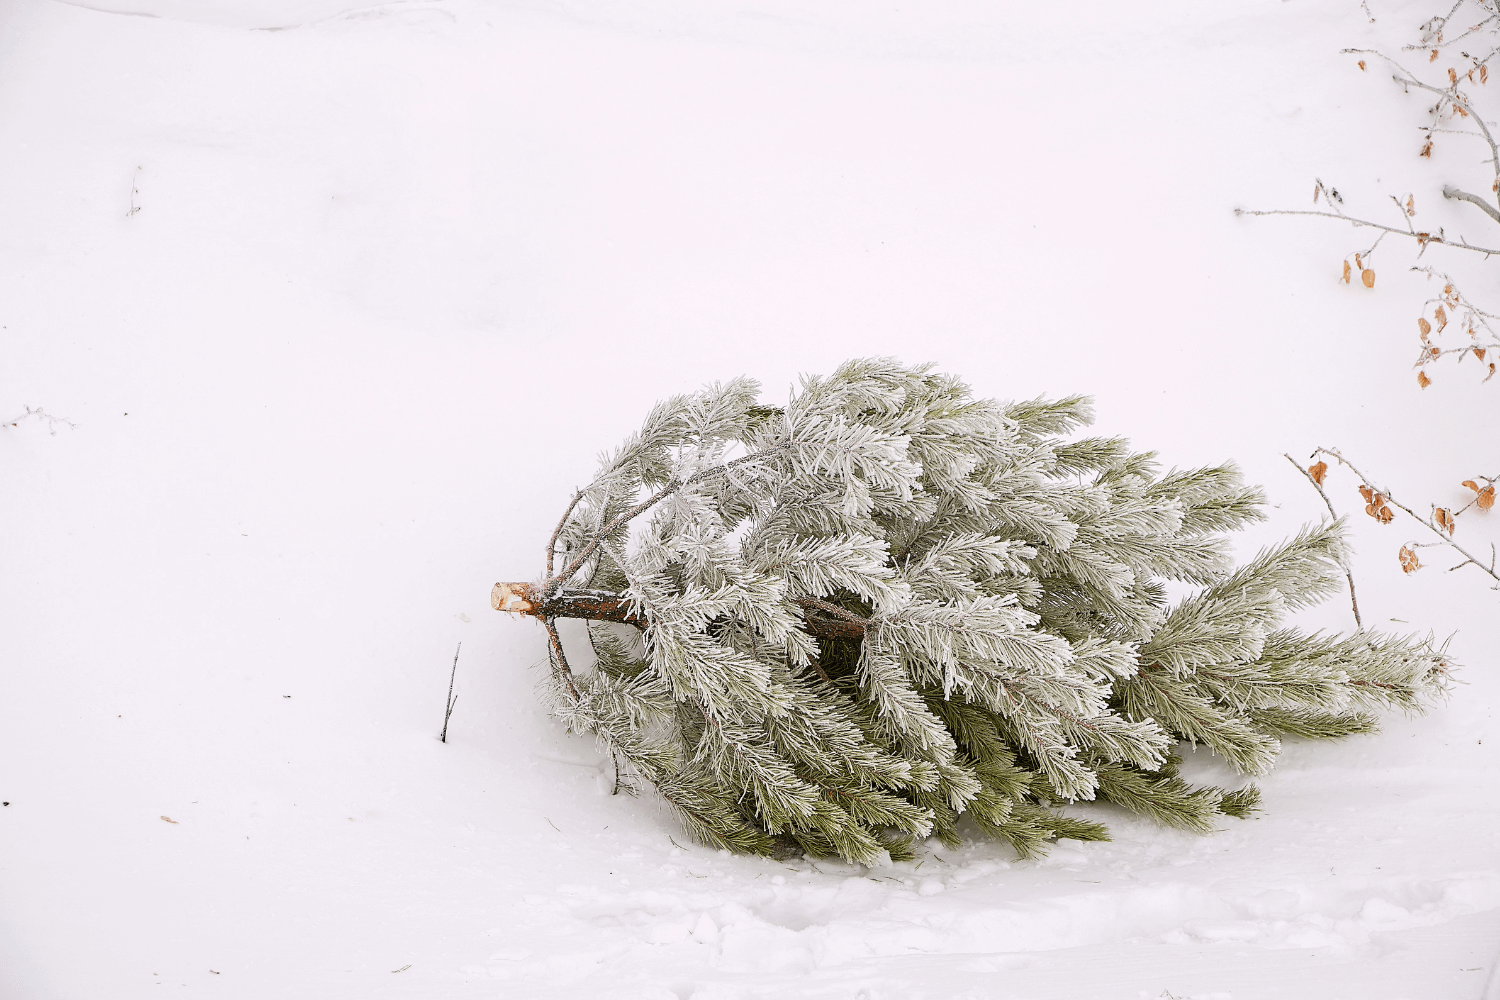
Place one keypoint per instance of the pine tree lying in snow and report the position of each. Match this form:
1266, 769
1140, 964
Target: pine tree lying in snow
845, 623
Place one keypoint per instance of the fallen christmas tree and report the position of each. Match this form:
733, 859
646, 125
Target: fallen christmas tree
842, 624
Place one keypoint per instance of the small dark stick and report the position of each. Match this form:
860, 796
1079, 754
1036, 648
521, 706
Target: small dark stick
451, 699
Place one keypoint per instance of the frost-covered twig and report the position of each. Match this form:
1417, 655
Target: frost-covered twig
1440, 522
560, 660
42, 415
1459, 103
1422, 238
1451, 307
1316, 478
552, 542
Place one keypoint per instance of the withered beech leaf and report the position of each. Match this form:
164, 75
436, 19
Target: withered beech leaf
1433, 56
1346, 272
1470, 484
1484, 74
1479, 353
1424, 326
1441, 316
1368, 277
1423, 380
1486, 498
1317, 472
1452, 77
1362, 64
1367, 493
1385, 515
1409, 563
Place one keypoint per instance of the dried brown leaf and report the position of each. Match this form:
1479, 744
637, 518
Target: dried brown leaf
1317, 472
1346, 272
1424, 326
1409, 563
1423, 380
1367, 493
1486, 498
1384, 515
1441, 316
1469, 483
1368, 277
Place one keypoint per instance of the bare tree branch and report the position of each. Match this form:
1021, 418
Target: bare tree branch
1422, 238
1451, 192
1444, 537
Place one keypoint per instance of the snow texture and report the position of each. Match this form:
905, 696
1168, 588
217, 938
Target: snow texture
313, 314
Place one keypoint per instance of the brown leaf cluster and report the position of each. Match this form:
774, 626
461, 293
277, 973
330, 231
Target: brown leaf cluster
1375, 505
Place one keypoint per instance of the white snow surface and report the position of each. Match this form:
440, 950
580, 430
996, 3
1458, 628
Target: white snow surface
397, 273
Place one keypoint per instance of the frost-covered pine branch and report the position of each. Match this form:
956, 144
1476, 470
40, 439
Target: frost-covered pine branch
887, 609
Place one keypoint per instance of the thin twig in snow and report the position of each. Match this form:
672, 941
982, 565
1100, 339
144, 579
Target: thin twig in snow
452, 700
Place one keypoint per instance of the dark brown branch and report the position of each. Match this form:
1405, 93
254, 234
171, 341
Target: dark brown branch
823, 620
592, 605
560, 659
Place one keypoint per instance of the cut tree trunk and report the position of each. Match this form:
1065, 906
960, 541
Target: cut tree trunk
823, 619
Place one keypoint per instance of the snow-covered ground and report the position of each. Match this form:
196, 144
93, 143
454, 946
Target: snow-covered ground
338, 305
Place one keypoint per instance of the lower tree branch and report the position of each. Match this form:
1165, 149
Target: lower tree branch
822, 620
